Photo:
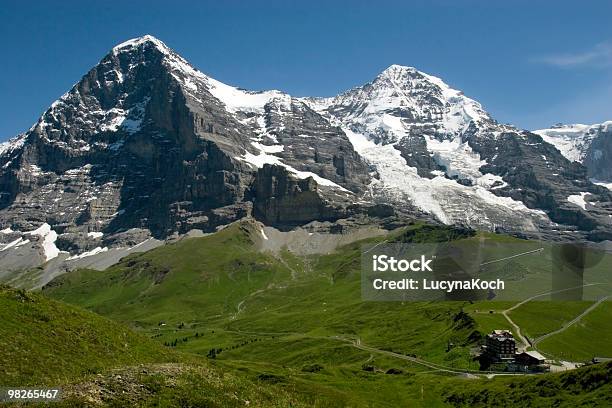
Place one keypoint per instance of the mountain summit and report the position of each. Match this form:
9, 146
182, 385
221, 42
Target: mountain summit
145, 145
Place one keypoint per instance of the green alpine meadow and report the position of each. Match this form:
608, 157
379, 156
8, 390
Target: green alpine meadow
218, 321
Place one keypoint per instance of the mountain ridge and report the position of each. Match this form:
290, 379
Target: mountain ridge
146, 146
589, 145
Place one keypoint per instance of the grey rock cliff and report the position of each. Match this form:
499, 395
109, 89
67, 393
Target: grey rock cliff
140, 142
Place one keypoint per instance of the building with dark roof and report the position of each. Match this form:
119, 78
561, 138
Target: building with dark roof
500, 346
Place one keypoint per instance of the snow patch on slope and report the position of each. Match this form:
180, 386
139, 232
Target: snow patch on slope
457, 157
606, 184
572, 141
265, 156
236, 99
95, 251
14, 244
129, 120
578, 199
12, 144
49, 237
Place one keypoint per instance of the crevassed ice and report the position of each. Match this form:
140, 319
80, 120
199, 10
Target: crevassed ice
439, 196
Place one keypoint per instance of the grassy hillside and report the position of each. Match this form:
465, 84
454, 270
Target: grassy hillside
299, 321
97, 361
191, 280
590, 337
43, 341
539, 318
101, 363
586, 387
221, 288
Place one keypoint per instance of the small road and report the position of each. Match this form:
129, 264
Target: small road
377, 245
572, 322
513, 256
434, 366
357, 343
517, 329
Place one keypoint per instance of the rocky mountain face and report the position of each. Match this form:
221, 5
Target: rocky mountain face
440, 150
144, 145
590, 145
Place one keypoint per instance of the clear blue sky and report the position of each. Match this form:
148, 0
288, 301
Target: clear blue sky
529, 63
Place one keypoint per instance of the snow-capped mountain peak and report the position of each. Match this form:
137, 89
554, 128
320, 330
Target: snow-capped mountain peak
235, 99
403, 99
139, 41
395, 70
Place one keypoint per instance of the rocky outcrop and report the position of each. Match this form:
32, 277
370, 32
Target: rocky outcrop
282, 200
413, 148
310, 143
539, 176
598, 160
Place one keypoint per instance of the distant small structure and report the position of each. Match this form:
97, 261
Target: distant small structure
500, 346
530, 361
530, 358
597, 360
500, 353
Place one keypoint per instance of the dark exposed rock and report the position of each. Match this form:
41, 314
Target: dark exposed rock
413, 148
313, 145
598, 160
283, 200
140, 142
543, 184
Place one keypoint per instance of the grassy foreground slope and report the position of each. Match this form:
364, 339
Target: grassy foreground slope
133, 371
97, 361
586, 387
43, 341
